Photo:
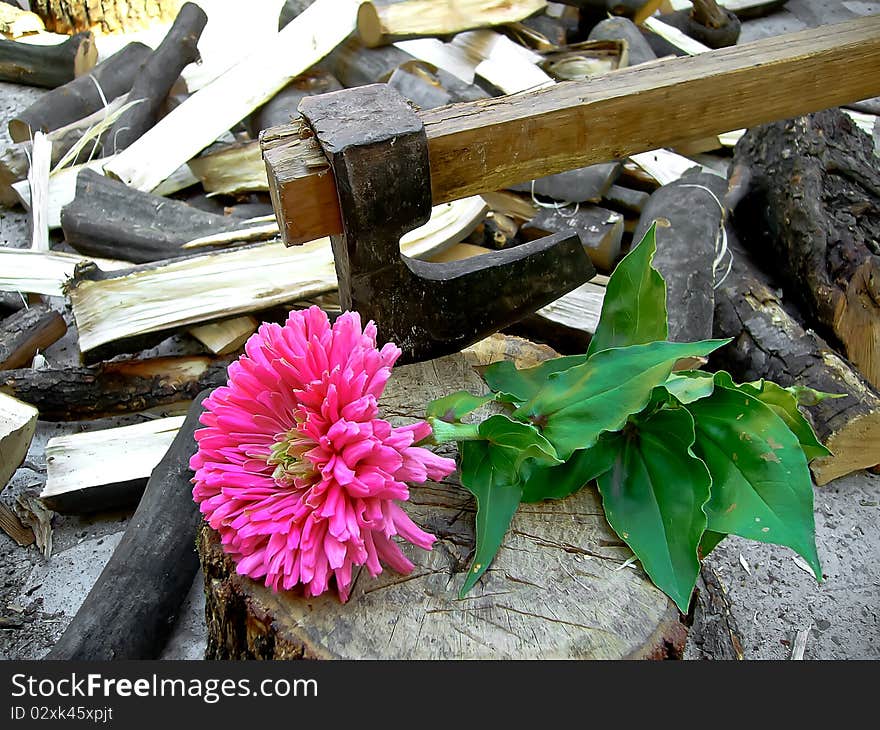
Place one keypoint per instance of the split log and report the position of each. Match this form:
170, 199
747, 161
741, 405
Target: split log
380, 23
107, 469
38, 186
812, 212
582, 185
156, 77
770, 343
428, 87
27, 331
290, 10
568, 323
113, 388
131, 609
18, 423
600, 231
491, 144
138, 307
15, 22
525, 606
47, 66
235, 168
225, 336
447, 56
626, 199
688, 236
111, 16
112, 220
354, 64
217, 107
617, 28
81, 97
672, 39
23, 270
707, 23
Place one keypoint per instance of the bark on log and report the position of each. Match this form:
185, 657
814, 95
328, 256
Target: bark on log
113, 388
178, 49
688, 227
356, 65
812, 213
27, 331
131, 609
80, 97
618, 28
770, 343
552, 591
47, 66
282, 108
112, 220
70, 16
600, 231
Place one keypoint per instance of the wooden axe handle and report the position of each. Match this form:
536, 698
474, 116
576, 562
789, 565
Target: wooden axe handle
493, 143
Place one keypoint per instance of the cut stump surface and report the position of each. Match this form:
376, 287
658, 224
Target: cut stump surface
557, 588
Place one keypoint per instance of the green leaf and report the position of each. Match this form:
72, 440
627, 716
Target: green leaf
809, 397
518, 386
523, 439
557, 482
690, 385
576, 405
443, 432
634, 308
654, 495
785, 405
708, 542
761, 486
488, 473
457, 405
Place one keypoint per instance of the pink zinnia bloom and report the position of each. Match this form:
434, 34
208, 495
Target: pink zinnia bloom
296, 471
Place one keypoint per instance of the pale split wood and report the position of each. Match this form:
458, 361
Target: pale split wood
227, 335
15, 22
38, 185
12, 526
90, 460
676, 37
212, 110
38, 272
181, 292
553, 590
234, 169
18, 423
380, 23
497, 347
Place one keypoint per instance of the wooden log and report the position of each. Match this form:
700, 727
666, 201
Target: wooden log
16, 22
808, 215
18, 423
138, 307
26, 332
582, 185
568, 323
354, 64
282, 108
11, 302
770, 343
553, 590
13, 526
106, 469
490, 144
110, 16
381, 23
178, 49
215, 108
26, 271
47, 66
81, 97
235, 168
600, 231
617, 28
626, 200
38, 186
114, 388
225, 336
428, 87
689, 216
131, 609
112, 220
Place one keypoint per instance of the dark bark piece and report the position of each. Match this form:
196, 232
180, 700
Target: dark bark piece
113, 388
868, 106
282, 108
290, 10
600, 231
625, 199
356, 65
812, 214
525, 606
47, 66
711, 36
110, 219
555, 30
688, 227
177, 50
27, 331
624, 29
769, 343
10, 302
99, 498
80, 97
132, 607
70, 16
428, 87
585, 184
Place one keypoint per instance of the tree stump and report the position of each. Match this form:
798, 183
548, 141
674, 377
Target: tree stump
558, 587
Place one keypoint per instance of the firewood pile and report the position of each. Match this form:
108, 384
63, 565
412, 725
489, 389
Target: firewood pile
155, 251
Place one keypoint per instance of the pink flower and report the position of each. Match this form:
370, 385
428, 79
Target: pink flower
296, 471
